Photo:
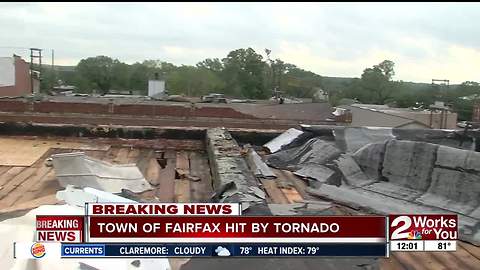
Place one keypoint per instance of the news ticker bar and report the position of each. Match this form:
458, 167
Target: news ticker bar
140, 250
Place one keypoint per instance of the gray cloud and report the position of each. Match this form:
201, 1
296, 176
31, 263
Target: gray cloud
342, 38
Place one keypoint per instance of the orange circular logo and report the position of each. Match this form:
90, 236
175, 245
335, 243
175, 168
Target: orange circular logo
38, 250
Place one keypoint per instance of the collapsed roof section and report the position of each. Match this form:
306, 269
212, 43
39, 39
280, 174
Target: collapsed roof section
385, 171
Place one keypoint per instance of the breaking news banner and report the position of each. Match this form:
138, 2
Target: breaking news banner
423, 232
201, 229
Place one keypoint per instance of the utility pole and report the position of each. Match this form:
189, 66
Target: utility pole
34, 54
444, 87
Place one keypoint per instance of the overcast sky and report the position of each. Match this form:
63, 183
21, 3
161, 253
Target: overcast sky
425, 40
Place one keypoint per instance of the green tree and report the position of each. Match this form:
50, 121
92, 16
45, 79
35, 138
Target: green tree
376, 83
214, 65
139, 75
97, 71
193, 81
120, 75
244, 74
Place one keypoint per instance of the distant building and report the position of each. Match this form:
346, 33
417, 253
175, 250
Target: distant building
384, 116
15, 77
156, 87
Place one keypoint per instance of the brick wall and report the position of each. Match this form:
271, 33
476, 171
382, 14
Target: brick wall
22, 80
64, 107
121, 109
13, 106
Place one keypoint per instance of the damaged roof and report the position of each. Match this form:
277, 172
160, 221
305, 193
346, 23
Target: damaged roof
185, 171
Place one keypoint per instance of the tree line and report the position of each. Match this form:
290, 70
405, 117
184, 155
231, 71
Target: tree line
244, 73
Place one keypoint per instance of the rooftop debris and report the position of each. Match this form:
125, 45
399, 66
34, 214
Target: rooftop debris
307, 160
347, 138
387, 175
360, 181
257, 166
82, 171
232, 179
185, 174
284, 139
316, 172
314, 151
351, 171
77, 196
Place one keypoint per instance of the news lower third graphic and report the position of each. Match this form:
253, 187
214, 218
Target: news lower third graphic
136, 230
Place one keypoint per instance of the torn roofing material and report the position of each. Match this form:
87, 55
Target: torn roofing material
258, 167
350, 139
82, 171
307, 160
315, 151
422, 176
353, 139
316, 172
351, 172
37, 189
378, 203
283, 139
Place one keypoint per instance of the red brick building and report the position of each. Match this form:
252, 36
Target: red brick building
15, 77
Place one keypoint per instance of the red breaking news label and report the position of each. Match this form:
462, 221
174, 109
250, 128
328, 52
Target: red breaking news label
236, 227
59, 228
423, 227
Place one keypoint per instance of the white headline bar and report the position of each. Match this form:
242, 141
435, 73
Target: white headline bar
241, 240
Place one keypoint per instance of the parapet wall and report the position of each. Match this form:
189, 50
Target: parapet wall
184, 110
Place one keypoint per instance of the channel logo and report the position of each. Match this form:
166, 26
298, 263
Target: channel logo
38, 250
414, 235
423, 227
